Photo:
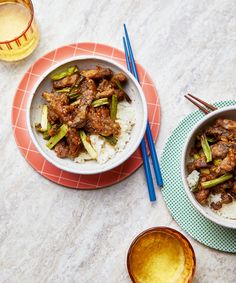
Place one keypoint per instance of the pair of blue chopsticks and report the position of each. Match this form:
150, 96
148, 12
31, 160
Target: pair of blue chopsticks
130, 62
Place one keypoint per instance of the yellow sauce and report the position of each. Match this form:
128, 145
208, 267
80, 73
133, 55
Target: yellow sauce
160, 257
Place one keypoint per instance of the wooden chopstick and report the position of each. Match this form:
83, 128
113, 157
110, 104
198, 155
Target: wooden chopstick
210, 106
132, 67
198, 105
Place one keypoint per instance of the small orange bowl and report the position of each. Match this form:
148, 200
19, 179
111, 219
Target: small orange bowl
162, 255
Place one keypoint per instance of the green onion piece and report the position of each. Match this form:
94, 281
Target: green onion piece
55, 139
196, 156
217, 181
65, 89
114, 103
206, 148
76, 102
217, 162
111, 139
209, 139
45, 134
100, 102
63, 74
38, 127
87, 145
205, 171
74, 95
121, 88
44, 118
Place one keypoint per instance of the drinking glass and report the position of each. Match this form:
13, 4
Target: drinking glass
19, 34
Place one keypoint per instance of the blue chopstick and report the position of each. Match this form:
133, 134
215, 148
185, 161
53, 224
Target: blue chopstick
147, 169
155, 162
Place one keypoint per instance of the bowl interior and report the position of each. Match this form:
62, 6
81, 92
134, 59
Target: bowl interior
89, 167
161, 254
229, 113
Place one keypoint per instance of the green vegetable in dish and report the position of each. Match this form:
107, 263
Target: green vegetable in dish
91, 151
114, 102
60, 135
100, 102
210, 139
65, 89
74, 95
68, 72
206, 148
217, 162
44, 118
46, 134
205, 171
196, 156
217, 181
121, 88
112, 140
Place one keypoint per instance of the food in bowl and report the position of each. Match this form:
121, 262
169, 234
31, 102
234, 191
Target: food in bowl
161, 254
212, 167
87, 115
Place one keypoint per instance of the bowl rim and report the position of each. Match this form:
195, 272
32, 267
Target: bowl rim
158, 229
218, 219
141, 130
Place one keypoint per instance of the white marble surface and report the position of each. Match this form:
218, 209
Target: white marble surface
52, 234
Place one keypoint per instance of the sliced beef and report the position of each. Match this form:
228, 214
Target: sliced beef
66, 82
104, 85
226, 198
229, 162
219, 133
202, 195
99, 122
74, 142
52, 116
109, 92
119, 77
106, 93
62, 149
220, 149
59, 103
98, 73
216, 205
226, 124
80, 109
197, 164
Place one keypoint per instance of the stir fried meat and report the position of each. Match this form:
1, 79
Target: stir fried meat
99, 122
80, 109
219, 149
74, 142
214, 157
81, 101
226, 124
98, 73
59, 104
65, 82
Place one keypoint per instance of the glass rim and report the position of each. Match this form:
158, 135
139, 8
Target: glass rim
26, 29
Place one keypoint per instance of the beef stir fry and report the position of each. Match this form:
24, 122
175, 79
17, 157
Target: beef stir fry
81, 103
213, 166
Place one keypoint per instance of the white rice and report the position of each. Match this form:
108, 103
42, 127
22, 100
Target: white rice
126, 118
193, 180
227, 210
